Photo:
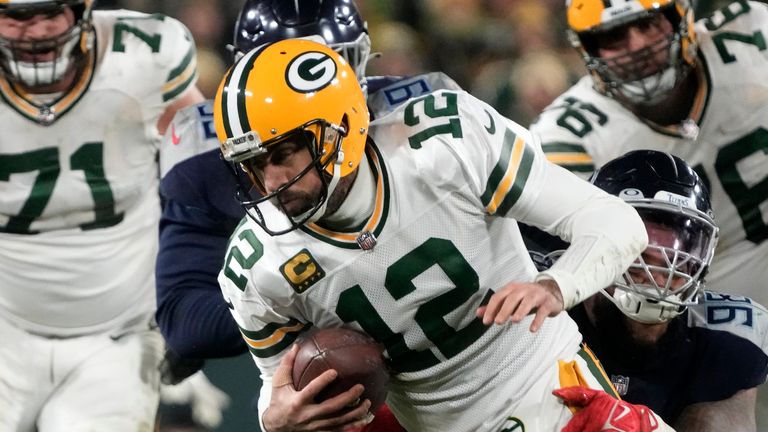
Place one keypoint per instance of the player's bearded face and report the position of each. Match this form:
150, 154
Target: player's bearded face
282, 164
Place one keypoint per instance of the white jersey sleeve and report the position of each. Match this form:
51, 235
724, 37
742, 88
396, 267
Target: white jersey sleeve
153, 42
251, 311
512, 177
158, 42
572, 122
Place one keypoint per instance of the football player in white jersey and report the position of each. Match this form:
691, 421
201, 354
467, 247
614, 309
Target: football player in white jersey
86, 95
199, 209
407, 232
698, 91
695, 357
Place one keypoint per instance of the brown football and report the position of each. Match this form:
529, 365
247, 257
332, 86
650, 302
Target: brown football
354, 355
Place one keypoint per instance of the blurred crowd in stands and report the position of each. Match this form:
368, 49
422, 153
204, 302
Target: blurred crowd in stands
511, 53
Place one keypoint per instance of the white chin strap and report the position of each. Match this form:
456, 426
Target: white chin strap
640, 309
331, 187
651, 89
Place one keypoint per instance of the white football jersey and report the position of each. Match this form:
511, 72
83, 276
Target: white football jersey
584, 129
78, 181
446, 166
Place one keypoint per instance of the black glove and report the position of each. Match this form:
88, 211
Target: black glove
175, 369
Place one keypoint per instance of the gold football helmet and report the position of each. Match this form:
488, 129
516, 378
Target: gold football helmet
292, 89
627, 75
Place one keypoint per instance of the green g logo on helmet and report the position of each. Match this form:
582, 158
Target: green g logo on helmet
310, 72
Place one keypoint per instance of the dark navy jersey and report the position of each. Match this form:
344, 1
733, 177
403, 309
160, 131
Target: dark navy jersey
713, 350
200, 212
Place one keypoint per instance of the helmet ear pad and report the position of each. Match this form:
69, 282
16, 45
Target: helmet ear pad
689, 42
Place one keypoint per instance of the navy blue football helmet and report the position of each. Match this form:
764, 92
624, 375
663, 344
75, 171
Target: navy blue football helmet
338, 22
674, 204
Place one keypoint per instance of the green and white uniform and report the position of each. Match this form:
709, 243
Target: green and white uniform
583, 129
78, 225
78, 198
450, 176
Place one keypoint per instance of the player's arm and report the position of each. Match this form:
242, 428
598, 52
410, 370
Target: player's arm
191, 312
263, 308
514, 179
736, 414
605, 233
199, 213
281, 407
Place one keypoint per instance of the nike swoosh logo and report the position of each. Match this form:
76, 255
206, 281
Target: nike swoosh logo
175, 139
491, 129
229, 304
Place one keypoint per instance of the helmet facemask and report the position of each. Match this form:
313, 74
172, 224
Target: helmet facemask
324, 161
19, 59
641, 76
357, 53
668, 276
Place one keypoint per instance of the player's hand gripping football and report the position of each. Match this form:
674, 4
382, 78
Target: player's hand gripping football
599, 412
514, 301
292, 411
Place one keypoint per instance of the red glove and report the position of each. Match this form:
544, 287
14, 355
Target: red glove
599, 412
384, 421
